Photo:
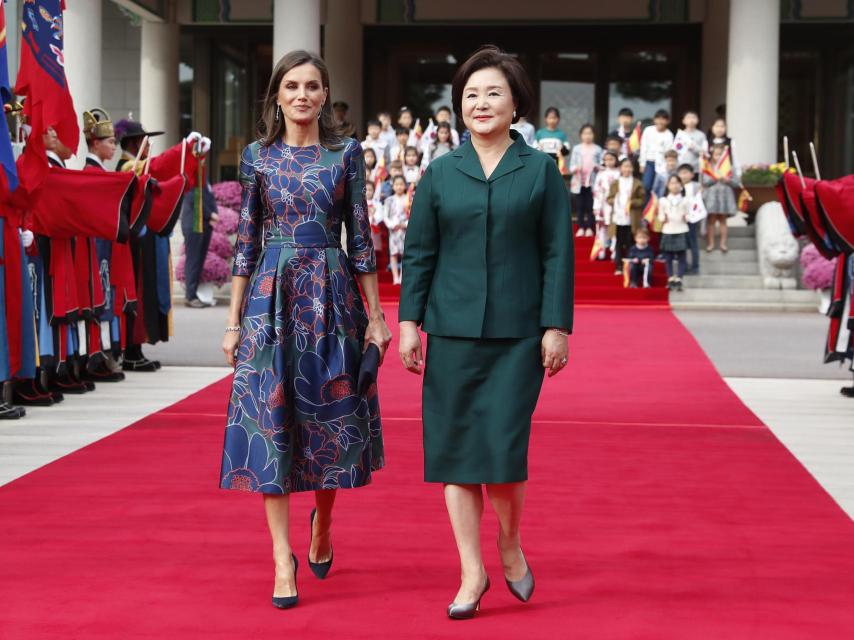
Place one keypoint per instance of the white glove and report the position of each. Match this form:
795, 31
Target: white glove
205, 145
193, 137
27, 238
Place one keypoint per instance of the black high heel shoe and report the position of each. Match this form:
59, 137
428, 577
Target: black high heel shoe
319, 569
467, 611
288, 602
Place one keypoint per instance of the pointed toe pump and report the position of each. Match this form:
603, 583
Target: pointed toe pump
523, 588
467, 611
288, 602
319, 569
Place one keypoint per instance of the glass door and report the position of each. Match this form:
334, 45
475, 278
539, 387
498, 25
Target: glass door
568, 83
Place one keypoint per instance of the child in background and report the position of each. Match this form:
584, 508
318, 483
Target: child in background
386, 128
690, 143
615, 145
601, 209
671, 163
411, 168
673, 213
693, 192
550, 139
370, 165
398, 148
375, 216
718, 135
655, 141
443, 144
719, 199
373, 140
395, 168
583, 164
626, 198
640, 261
625, 119
396, 218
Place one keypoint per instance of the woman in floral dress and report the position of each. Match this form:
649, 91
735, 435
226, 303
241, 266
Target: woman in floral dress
297, 325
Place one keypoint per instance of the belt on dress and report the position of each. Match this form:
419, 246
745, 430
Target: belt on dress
282, 241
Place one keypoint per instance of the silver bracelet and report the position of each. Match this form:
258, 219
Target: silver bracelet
235, 328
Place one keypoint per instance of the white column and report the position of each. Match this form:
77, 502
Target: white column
159, 97
296, 25
753, 78
715, 50
82, 54
342, 51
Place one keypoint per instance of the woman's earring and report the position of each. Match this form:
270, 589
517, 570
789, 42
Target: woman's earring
514, 114
320, 113
278, 108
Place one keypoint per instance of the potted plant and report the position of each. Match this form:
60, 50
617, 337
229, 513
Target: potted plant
759, 180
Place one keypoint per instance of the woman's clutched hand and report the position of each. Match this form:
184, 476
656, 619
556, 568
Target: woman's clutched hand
410, 347
378, 333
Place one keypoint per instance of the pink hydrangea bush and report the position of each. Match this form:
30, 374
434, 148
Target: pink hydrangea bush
220, 245
215, 270
227, 194
817, 271
227, 223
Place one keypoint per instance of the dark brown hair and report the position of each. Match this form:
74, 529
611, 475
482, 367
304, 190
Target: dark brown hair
488, 57
270, 129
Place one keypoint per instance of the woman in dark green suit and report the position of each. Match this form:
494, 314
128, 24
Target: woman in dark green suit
488, 274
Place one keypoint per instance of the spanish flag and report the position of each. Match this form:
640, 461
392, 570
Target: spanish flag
634, 142
744, 199
561, 164
650, 211
418, 131
724, 168
707, 169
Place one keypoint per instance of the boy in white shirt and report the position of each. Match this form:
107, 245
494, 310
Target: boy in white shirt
655, 141
375, 141
691, 143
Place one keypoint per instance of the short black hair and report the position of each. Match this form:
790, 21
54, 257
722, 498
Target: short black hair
586, 125
374, 123
625, 111
661, 113
491, 57
550, 110
629, 160
409, 148
340, 104
613, 155
401, 131
692, 111
398, 177
614, 139
444, 107
685, 167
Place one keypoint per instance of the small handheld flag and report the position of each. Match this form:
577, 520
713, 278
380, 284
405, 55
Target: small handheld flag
744, 200
561, 164
634, 142
724, 168
650, 211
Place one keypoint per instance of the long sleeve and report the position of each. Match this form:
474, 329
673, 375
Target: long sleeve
360, 247
248, 244
557, 251
420, 253
646, 140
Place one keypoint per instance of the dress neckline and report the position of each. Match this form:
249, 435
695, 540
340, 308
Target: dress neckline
292, 146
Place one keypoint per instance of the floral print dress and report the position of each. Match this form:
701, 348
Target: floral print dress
295, 419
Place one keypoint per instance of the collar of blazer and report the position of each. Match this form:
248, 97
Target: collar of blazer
470, 165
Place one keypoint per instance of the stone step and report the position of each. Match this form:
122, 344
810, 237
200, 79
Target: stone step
706, 281
720, 268
733, 255
738, 242
745, 299
742, 232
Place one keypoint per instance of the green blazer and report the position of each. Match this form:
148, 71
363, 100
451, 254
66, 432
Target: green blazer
489, 258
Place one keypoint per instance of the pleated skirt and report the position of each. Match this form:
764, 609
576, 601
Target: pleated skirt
478, 398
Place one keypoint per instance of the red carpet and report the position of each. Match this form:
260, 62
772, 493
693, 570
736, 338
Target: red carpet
659, 507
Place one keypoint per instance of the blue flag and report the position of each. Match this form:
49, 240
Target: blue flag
7, 157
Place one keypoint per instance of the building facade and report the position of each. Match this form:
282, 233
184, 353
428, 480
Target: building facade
775, 67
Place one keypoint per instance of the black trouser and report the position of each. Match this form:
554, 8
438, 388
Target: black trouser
195, 250
679, 256
584, 204
693, 244
640, 274
624, 243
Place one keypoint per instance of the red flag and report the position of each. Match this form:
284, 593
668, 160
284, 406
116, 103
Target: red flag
41, 78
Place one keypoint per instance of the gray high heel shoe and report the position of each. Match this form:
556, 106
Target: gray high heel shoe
467, 611
524, 587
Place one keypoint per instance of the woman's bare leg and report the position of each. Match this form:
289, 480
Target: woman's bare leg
276, 507
321, 543
710, 231
508, 500
465, 508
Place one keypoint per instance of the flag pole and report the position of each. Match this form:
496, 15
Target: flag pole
183, 156
798, 168
786, 151
815, 162
139, 153
148, 159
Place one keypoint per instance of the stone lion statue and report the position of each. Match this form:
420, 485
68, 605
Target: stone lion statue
777, 248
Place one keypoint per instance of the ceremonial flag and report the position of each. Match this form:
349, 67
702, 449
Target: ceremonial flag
7, 157
724, 168
634, 142
561, 164
650, 211
744, 199
41, 79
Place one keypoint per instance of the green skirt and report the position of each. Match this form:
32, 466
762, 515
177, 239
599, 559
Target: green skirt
478, 398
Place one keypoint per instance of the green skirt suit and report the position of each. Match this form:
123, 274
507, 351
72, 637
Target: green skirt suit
487, 268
